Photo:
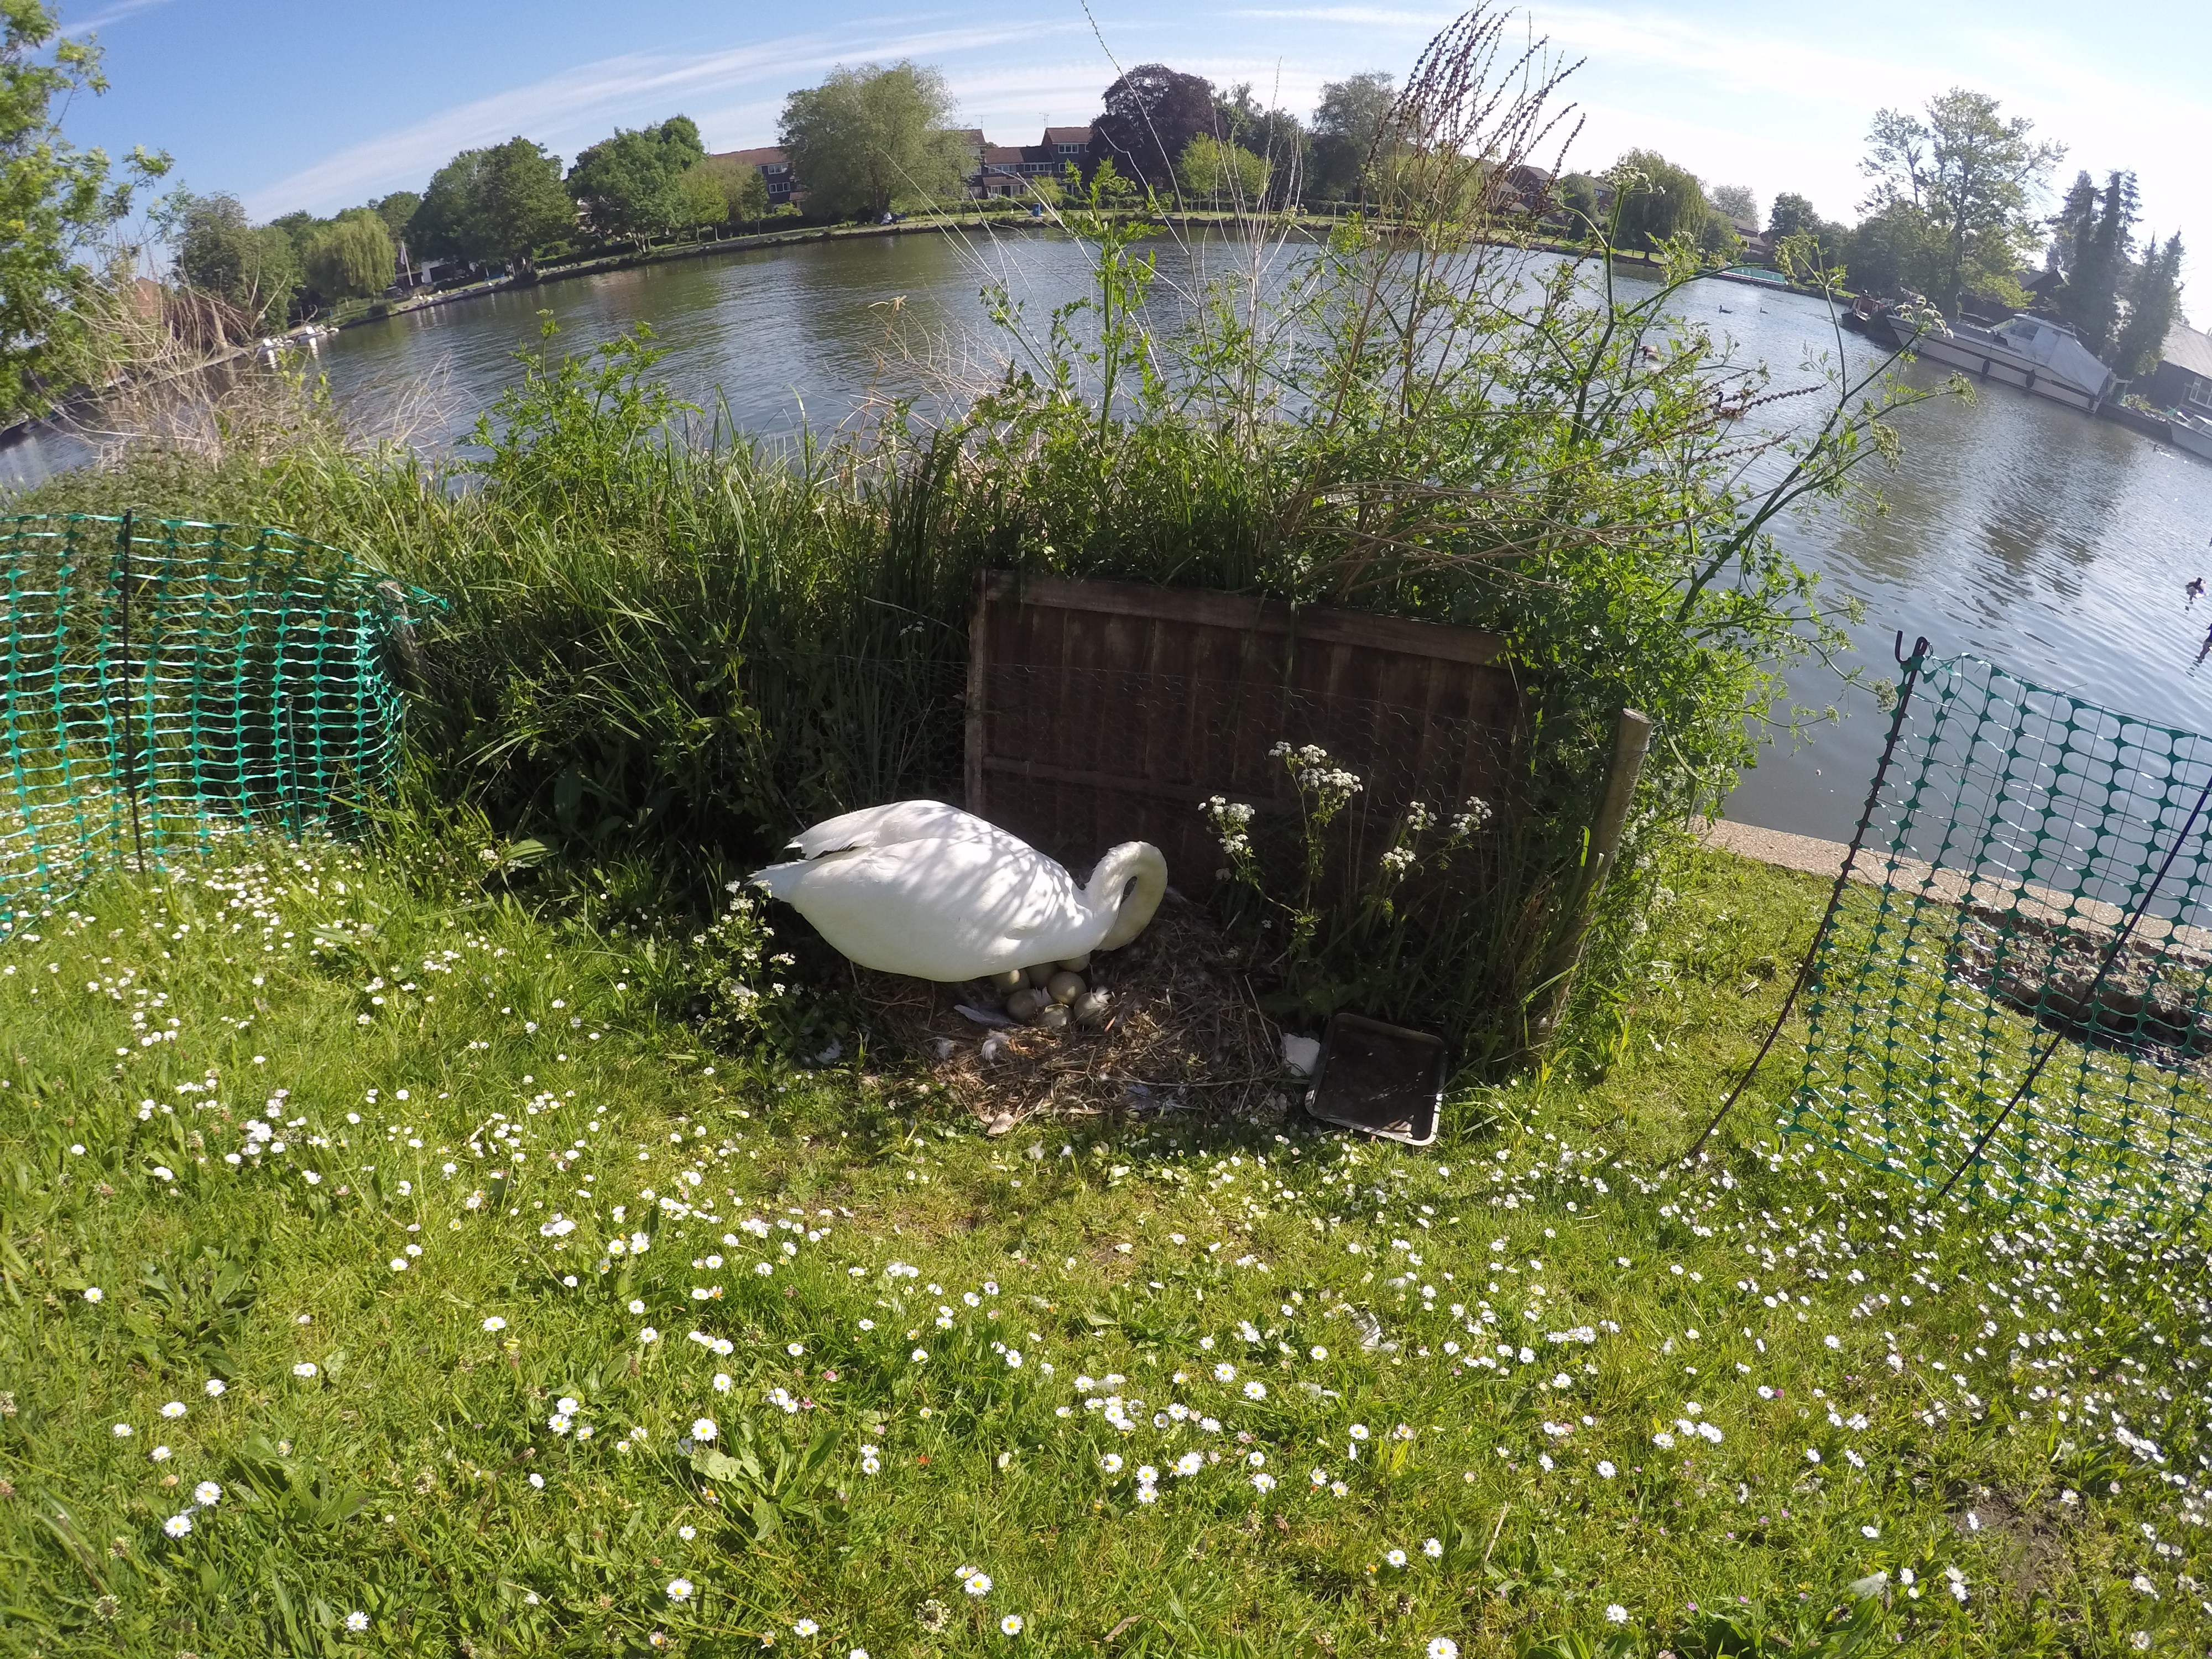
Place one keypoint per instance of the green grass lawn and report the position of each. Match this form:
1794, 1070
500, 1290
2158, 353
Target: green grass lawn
384, 1274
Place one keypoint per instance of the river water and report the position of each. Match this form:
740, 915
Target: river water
2014, 530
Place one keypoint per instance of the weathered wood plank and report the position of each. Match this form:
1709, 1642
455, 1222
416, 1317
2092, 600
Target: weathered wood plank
1102, 712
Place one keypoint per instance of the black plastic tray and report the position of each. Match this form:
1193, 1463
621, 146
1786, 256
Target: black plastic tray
1380, 1079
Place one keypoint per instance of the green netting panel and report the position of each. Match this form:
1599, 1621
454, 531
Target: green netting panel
177, 683
2023, 826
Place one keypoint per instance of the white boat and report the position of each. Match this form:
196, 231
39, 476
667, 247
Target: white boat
2192, 433
2029, 352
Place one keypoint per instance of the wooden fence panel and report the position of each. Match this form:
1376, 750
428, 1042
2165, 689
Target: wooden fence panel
1105, 712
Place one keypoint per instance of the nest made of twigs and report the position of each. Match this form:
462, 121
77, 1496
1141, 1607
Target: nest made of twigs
1183, 1035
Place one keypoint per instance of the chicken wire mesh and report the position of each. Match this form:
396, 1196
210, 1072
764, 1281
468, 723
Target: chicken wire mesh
167, 683
2026, 828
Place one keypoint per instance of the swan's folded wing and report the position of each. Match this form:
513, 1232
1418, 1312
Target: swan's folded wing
886, 825
945, 909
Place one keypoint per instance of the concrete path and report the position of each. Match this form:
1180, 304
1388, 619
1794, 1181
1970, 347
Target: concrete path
1989, 894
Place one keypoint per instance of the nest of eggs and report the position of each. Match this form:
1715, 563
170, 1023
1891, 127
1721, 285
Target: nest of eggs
1166, 1024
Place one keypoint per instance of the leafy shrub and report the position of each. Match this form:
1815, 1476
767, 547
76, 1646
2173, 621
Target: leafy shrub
749, 991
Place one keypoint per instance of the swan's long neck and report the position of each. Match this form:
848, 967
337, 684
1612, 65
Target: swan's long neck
1128, 883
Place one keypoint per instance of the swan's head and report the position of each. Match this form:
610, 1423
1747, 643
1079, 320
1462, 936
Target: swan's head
1129, 881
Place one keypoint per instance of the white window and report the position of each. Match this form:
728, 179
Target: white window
2200, 392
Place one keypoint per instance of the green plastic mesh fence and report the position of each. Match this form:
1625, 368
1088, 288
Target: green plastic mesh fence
169, 683
2024, 827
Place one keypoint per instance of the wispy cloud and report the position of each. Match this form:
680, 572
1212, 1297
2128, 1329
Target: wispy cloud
577, 104
114, 13
1361, 16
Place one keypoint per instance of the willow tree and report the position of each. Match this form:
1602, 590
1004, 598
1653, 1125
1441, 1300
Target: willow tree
870, 137
352, 258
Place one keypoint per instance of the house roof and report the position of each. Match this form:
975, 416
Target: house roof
2186, 349
973, 135
1067, 135
756, 157
1001, 154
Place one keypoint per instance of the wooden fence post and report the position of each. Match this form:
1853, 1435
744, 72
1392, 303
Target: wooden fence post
1631, 741
979, 635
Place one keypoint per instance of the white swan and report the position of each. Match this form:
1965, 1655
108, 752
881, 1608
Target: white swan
923, 888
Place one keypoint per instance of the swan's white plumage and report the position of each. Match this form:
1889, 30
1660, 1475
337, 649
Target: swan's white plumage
900, 821
923, 888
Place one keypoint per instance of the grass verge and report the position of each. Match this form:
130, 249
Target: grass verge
539, 1330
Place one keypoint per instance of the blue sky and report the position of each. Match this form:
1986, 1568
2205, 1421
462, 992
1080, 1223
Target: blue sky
322, 106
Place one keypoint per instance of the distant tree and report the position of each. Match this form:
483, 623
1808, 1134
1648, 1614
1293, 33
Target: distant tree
1346, 124
1275, 136
1791, 215
221, 251
396, 209
870, 137
435, 228
352, 257
1577, 195
2077, 211
300, 225
1894, 253
1151, 114
2156, 296
1971, 176
2092, 244
631, 187
1215, 174
1736, 201
56, 202
1657, 200
504, 204
1717, 236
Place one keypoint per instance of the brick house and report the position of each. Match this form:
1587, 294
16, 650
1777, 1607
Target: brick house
1010, 169
774, 169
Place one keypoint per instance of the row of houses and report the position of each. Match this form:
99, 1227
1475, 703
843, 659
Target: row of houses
995, 169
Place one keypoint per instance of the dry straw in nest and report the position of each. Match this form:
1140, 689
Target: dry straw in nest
1183, 1035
